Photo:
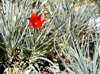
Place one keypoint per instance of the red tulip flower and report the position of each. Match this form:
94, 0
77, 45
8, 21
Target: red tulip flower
36, 21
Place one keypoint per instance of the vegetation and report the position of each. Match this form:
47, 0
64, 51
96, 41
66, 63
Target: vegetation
67, 43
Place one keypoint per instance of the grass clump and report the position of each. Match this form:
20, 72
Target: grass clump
68, 41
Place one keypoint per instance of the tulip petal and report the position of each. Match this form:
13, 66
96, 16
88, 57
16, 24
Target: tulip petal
30, 25
35, 21
43, 21
39, 17
39, 25
32, 18
29, 19
35, 26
